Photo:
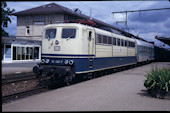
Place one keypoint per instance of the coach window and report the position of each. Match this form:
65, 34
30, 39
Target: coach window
125, 43
118, 42
68, 33
109, 40
50, 33
122, 42
114, 41
133, 44
129, 43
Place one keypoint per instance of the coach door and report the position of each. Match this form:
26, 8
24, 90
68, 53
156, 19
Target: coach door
91, 52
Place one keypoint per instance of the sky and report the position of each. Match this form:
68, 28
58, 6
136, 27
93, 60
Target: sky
146, 24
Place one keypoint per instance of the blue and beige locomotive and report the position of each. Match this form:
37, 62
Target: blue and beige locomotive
70, 49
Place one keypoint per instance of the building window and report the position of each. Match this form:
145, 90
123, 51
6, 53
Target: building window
28, 19
51, 19
7, 52
68, 17
25, 53
36, 52
2, 55
27, 30
14, 53
39, 18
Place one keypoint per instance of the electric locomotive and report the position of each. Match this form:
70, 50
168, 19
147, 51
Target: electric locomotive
70, 49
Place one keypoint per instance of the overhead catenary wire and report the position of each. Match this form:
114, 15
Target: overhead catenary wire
140, 10
101, 13
96, 10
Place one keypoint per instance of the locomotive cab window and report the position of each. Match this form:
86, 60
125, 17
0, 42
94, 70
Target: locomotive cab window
68, 33
50, 33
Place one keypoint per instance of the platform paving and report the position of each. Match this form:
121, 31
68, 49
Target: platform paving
121, 91
12, 69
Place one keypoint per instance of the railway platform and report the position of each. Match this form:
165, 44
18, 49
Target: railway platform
18, 68
120, 91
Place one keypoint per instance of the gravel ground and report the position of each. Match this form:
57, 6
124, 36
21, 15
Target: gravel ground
10, 88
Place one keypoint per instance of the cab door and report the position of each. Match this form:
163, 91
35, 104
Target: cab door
91, 49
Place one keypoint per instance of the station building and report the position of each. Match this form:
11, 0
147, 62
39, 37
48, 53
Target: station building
20, 50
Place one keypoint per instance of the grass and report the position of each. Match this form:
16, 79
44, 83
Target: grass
158, 82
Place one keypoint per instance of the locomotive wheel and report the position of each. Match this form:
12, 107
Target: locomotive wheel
68, 79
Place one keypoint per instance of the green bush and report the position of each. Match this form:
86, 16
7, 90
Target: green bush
158, 82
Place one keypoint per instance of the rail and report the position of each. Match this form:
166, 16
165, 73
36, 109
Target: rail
17, 79
16, 95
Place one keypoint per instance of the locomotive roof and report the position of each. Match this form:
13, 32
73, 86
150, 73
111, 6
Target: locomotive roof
140, 42
90, 27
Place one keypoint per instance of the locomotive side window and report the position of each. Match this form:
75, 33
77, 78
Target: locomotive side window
105, 40
99, 38
50, 33
68, 33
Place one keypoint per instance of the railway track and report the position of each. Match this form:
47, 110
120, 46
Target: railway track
17, 79
13, 96
14, 87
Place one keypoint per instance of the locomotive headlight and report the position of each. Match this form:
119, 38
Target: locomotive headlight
71, 62
43, 61
66, 62
47, 61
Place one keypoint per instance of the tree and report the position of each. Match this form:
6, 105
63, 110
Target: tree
6, 12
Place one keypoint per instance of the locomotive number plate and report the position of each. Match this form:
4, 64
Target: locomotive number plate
56, 48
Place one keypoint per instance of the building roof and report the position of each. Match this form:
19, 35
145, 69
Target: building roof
53, 8
44, 9
165, 40
4, 39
